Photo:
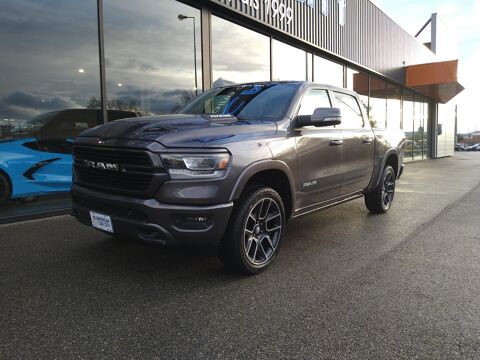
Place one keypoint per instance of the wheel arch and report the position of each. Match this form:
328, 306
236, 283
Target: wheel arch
273, 173
391, 158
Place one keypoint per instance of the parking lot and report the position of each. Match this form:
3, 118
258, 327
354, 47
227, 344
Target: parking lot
346, 285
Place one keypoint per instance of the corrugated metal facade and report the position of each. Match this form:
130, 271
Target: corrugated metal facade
368, 38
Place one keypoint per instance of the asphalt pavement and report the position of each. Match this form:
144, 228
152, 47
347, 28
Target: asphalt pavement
346, 285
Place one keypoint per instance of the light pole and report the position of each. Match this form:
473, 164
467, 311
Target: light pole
181, 18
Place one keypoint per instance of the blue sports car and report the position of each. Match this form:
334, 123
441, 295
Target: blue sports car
41, 163
29, 168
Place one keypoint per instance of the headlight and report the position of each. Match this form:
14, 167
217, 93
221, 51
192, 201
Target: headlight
196, 166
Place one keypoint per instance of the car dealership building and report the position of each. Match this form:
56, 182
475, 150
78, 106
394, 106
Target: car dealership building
149, 57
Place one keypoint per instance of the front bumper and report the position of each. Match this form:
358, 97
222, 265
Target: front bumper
150, 221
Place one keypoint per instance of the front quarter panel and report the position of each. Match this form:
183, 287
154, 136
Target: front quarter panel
272, 154
387, 142
215, 191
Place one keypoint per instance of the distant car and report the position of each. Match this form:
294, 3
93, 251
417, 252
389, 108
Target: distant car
459, 147
475, 147
41, 164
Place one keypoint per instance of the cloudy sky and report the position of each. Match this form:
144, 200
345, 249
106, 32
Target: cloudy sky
462, 19
49, 55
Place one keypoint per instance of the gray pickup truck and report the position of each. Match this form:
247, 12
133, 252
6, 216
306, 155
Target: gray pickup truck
233, 166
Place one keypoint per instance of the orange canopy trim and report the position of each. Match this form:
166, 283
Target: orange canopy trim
436, 80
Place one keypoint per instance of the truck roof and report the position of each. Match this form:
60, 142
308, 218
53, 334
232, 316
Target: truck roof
303, 84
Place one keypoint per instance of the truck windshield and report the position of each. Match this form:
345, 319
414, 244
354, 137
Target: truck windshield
246, 102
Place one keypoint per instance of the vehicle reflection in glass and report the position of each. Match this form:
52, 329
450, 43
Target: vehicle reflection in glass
36, 155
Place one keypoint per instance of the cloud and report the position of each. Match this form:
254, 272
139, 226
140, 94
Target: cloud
24, 105
153, 101
35, 101
43, 46
239, 54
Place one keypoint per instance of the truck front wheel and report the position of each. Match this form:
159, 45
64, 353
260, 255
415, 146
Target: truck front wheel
255, 233
380, 199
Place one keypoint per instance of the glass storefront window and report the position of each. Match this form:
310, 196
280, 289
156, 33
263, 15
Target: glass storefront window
49, 93
152, 50
394, 109
426, 117
418, 128
409, 123
327, 72
233, 60
289, 63
378, 102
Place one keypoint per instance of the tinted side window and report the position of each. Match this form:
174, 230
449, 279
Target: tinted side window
312, 100
351, 114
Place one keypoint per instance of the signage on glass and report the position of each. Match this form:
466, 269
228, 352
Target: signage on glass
310, 3
276, 8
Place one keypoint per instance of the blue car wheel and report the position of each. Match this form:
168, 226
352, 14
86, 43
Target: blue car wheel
5, 189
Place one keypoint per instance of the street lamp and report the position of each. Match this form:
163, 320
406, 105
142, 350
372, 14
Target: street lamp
181, 18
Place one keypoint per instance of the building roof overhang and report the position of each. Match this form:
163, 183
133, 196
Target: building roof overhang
437, 80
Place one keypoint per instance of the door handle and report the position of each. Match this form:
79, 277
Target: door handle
367, 139
336, 142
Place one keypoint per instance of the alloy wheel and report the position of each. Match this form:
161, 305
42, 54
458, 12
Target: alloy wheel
388, 190
262, 231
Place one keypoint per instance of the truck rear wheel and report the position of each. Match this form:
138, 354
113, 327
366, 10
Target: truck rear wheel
255, 233
380, 199
5, 189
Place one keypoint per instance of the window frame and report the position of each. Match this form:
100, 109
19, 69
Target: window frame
304, 95
365, 124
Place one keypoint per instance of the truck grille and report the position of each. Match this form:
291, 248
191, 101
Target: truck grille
117, 156
136, 172
126, 181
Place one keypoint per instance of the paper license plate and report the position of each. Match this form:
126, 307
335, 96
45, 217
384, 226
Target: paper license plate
101, 222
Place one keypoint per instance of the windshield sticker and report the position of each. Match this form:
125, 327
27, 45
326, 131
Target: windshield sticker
254, 90
219, 117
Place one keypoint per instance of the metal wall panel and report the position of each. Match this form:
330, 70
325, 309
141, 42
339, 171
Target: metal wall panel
369, 37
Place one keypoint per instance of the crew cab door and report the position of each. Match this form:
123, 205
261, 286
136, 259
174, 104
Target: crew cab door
358, 144
319, 155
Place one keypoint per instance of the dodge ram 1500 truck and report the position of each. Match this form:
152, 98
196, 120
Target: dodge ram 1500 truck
233, 166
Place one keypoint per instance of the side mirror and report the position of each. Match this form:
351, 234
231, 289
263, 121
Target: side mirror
321, 117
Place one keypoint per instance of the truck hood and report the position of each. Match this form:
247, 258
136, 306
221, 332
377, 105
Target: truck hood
180, 130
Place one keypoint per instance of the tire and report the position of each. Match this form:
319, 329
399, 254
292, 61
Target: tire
5, 189
255, 232
380, 200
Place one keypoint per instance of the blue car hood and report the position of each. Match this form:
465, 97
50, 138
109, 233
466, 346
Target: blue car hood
182, 130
